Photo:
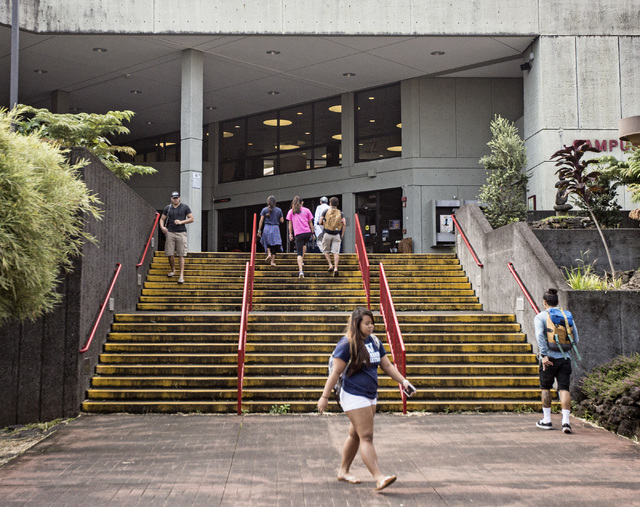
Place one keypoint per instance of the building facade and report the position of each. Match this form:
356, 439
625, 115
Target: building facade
385, 105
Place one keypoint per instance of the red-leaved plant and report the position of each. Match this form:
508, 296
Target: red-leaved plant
575, 178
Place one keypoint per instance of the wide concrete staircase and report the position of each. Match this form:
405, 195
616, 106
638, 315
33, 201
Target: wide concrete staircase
178, 353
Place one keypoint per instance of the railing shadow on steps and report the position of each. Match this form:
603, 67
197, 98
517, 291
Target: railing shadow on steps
363, 262
247, 306
392, 327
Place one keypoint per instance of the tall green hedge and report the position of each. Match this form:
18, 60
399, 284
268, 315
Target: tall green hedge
43, 206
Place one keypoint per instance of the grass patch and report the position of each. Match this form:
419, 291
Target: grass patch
585, 277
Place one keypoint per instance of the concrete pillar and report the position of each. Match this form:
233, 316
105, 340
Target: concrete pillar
59, 102
410, 92
412, 217
348, 125
191, 117
348, 206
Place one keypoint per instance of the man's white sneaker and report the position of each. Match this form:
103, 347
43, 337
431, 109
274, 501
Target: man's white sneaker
543, 425
566, 428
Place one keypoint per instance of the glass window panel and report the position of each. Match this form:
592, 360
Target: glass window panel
295, 128
327, 132
378, 123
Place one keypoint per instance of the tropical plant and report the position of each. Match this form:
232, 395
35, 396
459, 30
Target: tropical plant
88, 130
43, 207
603, 200
504, 193
578, 180
584, 276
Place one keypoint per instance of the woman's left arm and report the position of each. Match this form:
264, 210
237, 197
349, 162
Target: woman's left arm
392, 371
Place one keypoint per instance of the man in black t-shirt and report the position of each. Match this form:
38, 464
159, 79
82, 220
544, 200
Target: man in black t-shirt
173, 224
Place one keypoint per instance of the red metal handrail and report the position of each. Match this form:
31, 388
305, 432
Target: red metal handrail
102, 307
247, 305
153, 229
466, 241
394, 336
363, 262
523, 288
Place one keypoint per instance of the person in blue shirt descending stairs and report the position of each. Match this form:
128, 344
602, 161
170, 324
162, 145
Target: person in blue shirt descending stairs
360, 353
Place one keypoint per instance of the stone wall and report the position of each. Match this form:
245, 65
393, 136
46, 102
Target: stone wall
42, 374
607, 322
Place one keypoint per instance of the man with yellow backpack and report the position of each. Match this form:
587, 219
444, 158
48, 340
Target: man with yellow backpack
557, 336
333, 222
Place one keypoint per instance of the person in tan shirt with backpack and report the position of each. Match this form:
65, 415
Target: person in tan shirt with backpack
334, 225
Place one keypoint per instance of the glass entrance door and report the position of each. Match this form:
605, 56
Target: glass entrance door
380, 215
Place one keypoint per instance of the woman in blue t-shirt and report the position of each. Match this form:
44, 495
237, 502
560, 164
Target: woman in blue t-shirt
269, 229
361, 353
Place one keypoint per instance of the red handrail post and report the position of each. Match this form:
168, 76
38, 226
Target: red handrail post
363, 261
153, 230
523, 288
102, 308
394, 336
466, 241
242, 341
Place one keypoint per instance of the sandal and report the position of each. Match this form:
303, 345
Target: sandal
170, 274
387, 481
330, 268
181, 280
301, 275
351, 479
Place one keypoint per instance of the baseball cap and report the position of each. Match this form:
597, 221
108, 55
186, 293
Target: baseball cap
175, 194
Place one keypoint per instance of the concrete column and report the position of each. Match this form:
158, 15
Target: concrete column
59, 102
410, 93
348, 125
348, 206
412, 217
191, 114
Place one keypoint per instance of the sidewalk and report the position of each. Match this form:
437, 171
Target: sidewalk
440, 459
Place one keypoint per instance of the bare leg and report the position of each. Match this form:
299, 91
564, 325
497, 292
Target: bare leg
181, 262
546, 398
565, 400
327, 256
349, 451
172, 264
273, 259
336, 259
300, 270
362, 422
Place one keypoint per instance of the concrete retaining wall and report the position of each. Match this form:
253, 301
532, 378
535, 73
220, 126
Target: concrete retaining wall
42, 374
607, 322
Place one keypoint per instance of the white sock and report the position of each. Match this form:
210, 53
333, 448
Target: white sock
546, 414
565, 416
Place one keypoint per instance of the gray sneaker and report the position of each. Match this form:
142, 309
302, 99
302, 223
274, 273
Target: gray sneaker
543, 425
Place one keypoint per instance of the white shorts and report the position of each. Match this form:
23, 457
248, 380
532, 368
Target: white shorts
353, 402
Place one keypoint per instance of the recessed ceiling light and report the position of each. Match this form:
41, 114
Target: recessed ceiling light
227, 134
249, 144
394, 148
150, 122
100, 50
371, 98
336, 108
273, 92
287, 147
372, 121
211, 108
136, 92
273, 52
40, 71
307, 133
437, 53
236, 126
299, 113
348, 74
337, 137
399, 125
275, 123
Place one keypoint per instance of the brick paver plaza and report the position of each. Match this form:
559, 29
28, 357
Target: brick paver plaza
440, 459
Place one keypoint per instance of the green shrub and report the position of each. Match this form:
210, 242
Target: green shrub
613, 379
43, 206
585, 277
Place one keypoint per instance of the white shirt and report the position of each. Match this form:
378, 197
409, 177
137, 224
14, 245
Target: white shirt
319, 211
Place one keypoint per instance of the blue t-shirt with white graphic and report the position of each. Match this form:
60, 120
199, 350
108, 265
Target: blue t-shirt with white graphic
365, 382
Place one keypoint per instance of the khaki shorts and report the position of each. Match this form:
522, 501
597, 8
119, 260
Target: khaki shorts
331, 243
176, 244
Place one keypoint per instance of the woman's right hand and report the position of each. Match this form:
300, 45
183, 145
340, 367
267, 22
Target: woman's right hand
323, 403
